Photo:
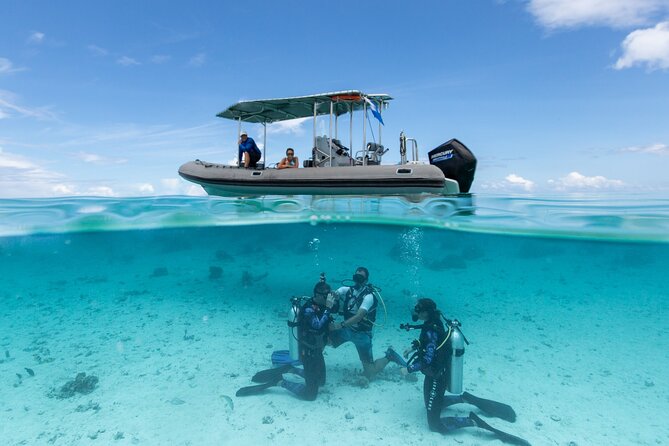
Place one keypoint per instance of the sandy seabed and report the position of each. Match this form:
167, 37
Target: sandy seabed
580, 356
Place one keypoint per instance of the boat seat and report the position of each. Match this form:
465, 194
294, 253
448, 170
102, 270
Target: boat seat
374, 154
321, 153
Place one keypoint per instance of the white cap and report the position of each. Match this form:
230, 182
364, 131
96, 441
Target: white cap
243, 133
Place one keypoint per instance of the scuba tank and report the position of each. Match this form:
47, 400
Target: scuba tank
456, 352
293, 315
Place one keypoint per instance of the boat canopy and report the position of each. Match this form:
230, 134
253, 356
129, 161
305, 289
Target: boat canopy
266, 111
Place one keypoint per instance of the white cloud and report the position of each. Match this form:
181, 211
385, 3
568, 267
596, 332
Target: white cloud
126, 61
518, 181
511, 183
21, 177
577, 181
36, 38
9, 107
655, 149
7, 67
9, 161
291, 127
178, 186
98, 51
93, 158
160, 58
555, 14
63, 189
648, 47
198, 60
145, 188
100, 191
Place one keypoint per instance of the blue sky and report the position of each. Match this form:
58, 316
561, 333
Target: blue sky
553, 96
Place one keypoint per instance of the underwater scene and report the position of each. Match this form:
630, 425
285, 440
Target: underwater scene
137, 321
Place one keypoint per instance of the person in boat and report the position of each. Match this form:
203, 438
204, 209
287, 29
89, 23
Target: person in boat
249, 153
431, 357
358, 304
313, 324
290, 161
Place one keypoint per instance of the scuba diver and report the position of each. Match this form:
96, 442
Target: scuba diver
438, 354
359, 309
313, 321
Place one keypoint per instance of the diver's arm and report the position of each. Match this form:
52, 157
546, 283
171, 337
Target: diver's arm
314, 320
357, 317
428, 356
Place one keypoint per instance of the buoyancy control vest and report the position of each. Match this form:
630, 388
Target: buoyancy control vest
311, 338
352, 303
438, 366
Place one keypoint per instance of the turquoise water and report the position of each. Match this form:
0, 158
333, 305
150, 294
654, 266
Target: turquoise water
173, 303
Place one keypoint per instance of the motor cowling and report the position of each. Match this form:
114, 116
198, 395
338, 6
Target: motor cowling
456, 161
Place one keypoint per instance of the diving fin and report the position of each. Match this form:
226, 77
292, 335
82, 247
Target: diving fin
393, 356
280, 357
255, 390
264, 376
490, 407
506, 438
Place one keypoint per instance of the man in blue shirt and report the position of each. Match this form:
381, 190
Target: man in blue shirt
248, 150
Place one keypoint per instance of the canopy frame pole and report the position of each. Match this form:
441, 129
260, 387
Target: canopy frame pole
380, 109
364, 133
314, 151
330, 136
239, 132
264, 144
336, 125
350, 128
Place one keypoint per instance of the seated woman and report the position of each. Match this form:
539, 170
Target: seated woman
290, 161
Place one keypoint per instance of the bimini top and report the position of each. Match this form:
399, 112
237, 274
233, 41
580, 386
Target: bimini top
273, 110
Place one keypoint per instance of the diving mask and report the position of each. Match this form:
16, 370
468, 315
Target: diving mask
415, 311
359, 279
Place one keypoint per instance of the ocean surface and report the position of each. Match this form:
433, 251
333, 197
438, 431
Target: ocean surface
170, 304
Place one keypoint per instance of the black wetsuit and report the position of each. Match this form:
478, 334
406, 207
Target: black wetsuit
432, 361
312, 332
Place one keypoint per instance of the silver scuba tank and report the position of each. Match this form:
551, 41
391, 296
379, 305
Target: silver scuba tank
293, 344
456, 359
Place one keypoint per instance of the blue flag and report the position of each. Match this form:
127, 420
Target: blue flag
375, 110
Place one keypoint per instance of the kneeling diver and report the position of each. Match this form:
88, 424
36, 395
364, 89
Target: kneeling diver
434, 353
312, 324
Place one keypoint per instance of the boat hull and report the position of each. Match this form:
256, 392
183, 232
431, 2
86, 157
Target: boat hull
223, 180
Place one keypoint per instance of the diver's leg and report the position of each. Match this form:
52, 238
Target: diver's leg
321, 370
433, 392
449, 400
363, 343
309, 389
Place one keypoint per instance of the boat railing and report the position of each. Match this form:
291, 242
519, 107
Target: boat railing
403, 149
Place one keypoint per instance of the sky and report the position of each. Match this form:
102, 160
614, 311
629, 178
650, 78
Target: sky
552, 96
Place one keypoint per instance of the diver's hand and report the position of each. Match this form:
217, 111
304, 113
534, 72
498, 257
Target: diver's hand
407, 352
330, 301
404, 371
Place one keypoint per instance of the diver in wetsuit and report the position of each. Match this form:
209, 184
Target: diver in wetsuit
432, 354
312, 327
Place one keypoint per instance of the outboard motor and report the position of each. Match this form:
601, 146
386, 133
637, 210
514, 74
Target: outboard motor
456, 161
456, 351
